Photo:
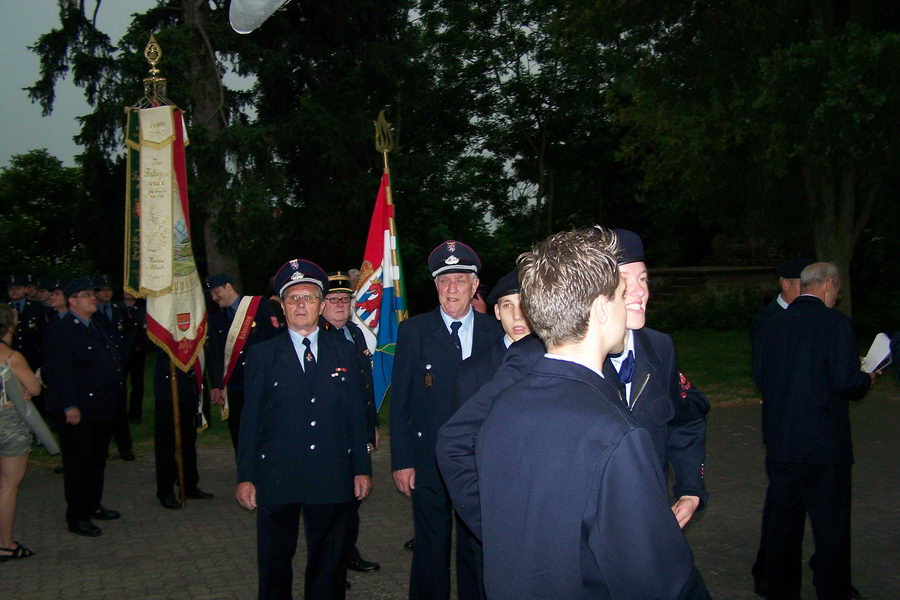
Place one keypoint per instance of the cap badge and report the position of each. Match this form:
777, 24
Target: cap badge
451, 260
295, 264
296, 276
451, 246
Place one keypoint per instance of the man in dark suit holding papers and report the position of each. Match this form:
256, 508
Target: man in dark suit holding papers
806, 365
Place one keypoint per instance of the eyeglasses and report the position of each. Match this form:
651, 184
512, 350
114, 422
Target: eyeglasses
87, 294
301, 299
338, 300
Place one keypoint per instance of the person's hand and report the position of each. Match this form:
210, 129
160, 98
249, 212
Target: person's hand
405, 480
216, 397
73, 416
26, 395
684, 509
377, 439
362, 485
245, 494
872, 378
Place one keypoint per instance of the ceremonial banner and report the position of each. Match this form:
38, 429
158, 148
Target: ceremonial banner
380, 297
159, 259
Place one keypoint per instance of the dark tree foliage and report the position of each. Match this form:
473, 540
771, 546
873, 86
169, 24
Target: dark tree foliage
46, 219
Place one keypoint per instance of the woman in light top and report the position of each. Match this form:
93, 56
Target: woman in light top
17, 381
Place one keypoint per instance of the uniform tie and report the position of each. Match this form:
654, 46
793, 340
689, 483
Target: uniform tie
626, 371
454, 336
309, 362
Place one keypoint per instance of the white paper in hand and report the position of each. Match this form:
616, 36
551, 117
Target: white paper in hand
879, 355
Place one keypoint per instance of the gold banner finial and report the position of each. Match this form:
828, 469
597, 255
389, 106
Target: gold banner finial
384, 139
154, 86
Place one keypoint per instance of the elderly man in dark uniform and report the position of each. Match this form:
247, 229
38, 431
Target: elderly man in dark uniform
303, 447
336, 319
574, 502
113, 316
242, 322
806, 365
651, 388
83, 372
430, 348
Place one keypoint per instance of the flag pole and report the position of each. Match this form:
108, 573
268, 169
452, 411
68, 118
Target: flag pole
155, 95
384, 143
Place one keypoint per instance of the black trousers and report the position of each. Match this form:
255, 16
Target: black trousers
121, 432
823, 492
351, 552
325, 528
164, 431
433, 524
84, 450
164, 446
235, 408
134, 375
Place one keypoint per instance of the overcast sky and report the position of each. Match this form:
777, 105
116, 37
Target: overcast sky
22, 128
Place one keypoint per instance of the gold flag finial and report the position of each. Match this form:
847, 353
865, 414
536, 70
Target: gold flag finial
384, 139
154, 85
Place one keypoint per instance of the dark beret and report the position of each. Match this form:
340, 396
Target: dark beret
508, 284
790, 269
214, 281
453, 257
101, 281
631, 248
339, 282
79, 284
297, 271
16, 279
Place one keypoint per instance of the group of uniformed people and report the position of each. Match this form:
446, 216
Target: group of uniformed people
545, 431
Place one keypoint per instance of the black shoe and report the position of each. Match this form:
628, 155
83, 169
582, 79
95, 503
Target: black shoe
198, 494
127, 456
170, 502
58, 470
104, 514
347, 584
363, 566
410, 543
85, 528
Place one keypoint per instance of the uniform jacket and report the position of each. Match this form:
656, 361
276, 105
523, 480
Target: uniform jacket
762, 316
136, 328
364, 358
477, 370
673, 414
219, 324
300, 444
423, 384
115, 327
82, 368
806, 365
29, 334
672, 411
566, 472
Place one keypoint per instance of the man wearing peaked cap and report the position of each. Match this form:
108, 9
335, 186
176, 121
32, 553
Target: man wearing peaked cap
335, 319
788, 288
430, 348
242, 322
303, 446
83, 373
